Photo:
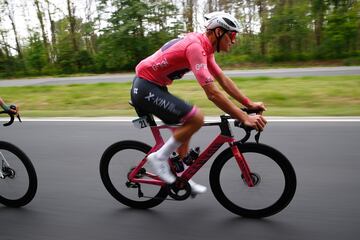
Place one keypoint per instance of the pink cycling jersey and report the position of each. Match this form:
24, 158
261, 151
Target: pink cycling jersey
193, 52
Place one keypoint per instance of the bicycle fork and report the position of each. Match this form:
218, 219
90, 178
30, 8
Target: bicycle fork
244, 167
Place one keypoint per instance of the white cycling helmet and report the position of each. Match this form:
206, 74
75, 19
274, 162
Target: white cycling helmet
223, 20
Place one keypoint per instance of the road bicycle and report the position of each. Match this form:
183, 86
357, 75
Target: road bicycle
249, 179
18, 180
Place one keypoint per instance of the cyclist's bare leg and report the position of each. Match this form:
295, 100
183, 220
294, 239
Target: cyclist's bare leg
183, 135
183, 149
192, 125
180, 139
158, 159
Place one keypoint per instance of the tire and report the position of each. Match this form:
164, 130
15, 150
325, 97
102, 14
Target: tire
117, 156
273, 192
20, 188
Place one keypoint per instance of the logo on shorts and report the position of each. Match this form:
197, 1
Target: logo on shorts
150, 96
162, 103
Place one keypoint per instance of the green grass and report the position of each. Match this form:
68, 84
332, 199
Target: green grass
305, 96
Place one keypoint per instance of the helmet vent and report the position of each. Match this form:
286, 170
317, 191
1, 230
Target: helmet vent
228, 21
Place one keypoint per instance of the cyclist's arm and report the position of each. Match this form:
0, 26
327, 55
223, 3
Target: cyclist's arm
220, 100
198, 61
230, 87
8, 108
3, 105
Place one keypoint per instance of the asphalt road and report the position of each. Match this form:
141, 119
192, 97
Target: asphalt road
71, 202
287, 72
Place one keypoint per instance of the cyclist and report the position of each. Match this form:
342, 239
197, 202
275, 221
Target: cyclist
193, 52
7, 108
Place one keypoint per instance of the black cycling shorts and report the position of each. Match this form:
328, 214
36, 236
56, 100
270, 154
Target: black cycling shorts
150, 98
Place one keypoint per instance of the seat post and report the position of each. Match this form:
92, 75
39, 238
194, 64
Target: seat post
149, 117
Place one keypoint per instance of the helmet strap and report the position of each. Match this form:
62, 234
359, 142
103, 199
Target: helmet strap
218, 39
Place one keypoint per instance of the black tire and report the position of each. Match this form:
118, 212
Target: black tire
223, 187
113, 186
23, 185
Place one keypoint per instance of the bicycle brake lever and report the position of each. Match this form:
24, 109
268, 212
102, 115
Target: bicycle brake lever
247, 136
10, 122
246, 129
12, 118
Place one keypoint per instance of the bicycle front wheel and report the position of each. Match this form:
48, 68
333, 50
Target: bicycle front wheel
18, 180
115, 165
273, 176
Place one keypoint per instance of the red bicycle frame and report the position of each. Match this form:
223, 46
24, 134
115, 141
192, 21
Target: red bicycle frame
224, 137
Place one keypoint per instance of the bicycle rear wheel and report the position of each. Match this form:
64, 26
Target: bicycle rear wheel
18, 180
273, 176
115, 165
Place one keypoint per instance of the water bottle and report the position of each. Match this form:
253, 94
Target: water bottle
178, 164
191, 156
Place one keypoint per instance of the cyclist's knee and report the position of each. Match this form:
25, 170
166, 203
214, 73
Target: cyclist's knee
197, 120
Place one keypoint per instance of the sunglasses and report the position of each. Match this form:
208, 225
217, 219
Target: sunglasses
232, 35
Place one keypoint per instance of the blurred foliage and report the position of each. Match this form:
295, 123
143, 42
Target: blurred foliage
274, 31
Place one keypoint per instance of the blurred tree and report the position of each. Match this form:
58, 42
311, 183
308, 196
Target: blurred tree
135, 29
318, 12
53, 54
10, 11
40, 15
189, 14
35, 55
72, 25
288, 31
341, 30
114, 35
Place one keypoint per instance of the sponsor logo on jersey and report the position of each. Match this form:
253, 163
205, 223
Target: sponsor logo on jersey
160, 65
200, 65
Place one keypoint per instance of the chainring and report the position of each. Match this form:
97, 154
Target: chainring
179, 190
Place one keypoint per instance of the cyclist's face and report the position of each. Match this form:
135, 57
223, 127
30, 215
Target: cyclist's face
227, 41
232, 36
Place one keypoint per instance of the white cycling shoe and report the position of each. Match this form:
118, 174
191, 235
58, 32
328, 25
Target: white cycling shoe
197, 188
161, 168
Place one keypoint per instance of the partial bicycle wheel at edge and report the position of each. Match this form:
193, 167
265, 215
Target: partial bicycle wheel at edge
274, 176
116, 162
19, 183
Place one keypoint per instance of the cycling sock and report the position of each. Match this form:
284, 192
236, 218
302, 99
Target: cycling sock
167, 149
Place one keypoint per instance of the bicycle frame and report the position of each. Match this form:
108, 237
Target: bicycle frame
224, 137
